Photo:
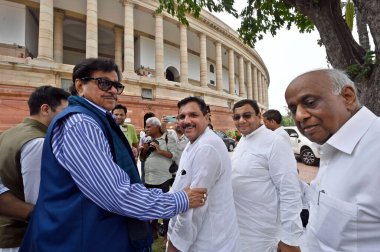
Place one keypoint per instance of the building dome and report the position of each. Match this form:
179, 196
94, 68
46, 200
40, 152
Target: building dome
161, 59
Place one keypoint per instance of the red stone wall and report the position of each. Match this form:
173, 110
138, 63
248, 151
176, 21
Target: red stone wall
14, 107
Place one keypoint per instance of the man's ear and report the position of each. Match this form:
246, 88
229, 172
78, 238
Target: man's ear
207, 116
349, 97
44, 109
259, 115
79, 87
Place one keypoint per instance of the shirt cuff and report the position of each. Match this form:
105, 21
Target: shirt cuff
291, 239
179, 243
182, 202
3, 189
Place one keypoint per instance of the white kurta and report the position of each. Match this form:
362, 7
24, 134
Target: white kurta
345, 204
212, 227
280, 131
266, 191
31, 154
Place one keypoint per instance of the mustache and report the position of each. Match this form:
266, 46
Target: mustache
110, 96
187, 125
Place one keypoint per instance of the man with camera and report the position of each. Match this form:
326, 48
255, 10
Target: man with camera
158, 151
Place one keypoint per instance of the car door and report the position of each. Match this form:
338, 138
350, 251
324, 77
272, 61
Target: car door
294, 140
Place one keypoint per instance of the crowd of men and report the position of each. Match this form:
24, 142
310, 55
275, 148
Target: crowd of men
69, 179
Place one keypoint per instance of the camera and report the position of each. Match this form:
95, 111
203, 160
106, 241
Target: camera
151, 148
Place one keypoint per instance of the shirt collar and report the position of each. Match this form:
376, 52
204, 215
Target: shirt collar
348, 136
104, 111
260, 128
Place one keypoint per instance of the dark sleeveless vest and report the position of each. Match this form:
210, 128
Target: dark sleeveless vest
64, 219
11, 142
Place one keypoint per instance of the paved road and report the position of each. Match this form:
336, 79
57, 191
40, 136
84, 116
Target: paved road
307, 173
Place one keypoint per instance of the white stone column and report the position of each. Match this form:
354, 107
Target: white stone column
262, 90
231, 71
267, 85
45, 34
159, 39
255, 84
266, 92
184, 64
129, 49
203, 58
219, 66
249, 80
260, 93
241, 76
118, 47
58, 36
92, 29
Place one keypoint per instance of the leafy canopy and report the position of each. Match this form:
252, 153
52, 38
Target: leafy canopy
258, 17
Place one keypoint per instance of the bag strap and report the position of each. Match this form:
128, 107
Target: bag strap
166, 140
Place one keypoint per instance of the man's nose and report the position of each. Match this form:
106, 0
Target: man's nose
301, 114
113, 90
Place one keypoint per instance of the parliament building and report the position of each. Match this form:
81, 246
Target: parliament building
162, 60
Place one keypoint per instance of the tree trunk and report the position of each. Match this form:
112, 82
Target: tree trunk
361, 23
372, 10
341, 48
370, 91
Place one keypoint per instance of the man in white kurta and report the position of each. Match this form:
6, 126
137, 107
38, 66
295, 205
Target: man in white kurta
265, 185
204, 163
272, 120
345, 202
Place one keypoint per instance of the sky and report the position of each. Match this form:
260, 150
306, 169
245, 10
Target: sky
286, 55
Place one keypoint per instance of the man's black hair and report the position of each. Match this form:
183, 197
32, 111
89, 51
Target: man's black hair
273, 114
49, 95
87, 67
148, 115
252, 103
120, 106
201, 103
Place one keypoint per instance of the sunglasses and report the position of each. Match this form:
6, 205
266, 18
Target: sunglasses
106, 84
247, 115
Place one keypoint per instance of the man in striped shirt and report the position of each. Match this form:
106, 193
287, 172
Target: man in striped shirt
91, 197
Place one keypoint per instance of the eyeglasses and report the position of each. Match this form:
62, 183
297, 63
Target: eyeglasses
247, 115
106, 84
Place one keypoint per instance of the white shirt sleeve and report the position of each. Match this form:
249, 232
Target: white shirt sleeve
31, 154
283, 171
206, 169
3, 189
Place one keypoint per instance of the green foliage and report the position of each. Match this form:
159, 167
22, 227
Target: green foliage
179, 8
262, 16
360, 72
234, 134
287, 121
349, 14
258, 17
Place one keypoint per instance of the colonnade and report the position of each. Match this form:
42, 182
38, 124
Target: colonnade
50, 47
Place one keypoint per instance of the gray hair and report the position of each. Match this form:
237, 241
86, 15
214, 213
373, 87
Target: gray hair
339, 80
153, 121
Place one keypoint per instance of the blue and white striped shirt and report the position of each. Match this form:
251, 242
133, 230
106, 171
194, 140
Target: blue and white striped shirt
3, 189
82, 149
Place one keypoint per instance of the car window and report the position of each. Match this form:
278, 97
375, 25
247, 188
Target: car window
219, 134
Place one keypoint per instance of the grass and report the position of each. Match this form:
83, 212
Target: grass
157, 245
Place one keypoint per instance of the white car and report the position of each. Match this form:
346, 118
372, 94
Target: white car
303, 148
